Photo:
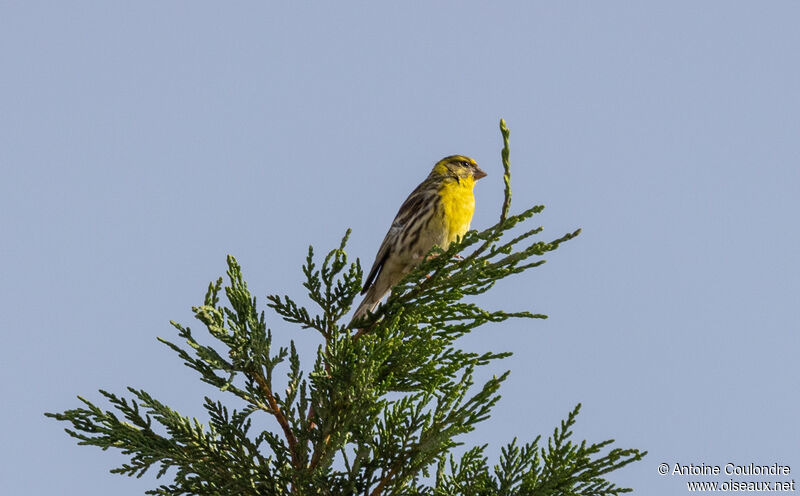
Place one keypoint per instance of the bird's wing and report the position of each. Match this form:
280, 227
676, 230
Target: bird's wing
382, 256
413, 203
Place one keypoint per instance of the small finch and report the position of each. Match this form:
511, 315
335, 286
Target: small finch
437, 212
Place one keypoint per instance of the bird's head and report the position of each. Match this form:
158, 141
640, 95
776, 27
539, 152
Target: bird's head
458, 166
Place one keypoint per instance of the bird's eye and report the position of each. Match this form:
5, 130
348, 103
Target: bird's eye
465, 164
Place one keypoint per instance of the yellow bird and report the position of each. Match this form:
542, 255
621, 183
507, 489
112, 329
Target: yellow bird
437, 212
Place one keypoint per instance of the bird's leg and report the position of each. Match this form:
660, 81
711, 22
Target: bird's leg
456, 257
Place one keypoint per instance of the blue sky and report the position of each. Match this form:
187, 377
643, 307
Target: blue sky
141, 143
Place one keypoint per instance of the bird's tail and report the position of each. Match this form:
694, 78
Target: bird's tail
368, 304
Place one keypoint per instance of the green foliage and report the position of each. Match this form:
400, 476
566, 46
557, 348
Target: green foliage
562, 468
382, 407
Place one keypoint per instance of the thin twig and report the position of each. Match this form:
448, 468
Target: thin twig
504, 153
319, 449
318, 452
275, 410
384, 480
506, 172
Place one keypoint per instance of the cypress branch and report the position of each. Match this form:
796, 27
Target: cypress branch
379, 411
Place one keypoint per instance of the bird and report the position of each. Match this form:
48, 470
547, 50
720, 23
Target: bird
437, 212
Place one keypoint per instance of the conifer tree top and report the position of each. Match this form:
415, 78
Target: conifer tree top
381, 409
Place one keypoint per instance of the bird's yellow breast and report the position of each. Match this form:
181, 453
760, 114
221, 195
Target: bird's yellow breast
458, 205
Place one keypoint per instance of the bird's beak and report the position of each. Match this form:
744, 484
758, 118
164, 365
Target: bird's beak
478, 173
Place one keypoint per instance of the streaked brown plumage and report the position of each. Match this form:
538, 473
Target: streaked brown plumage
437, 212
